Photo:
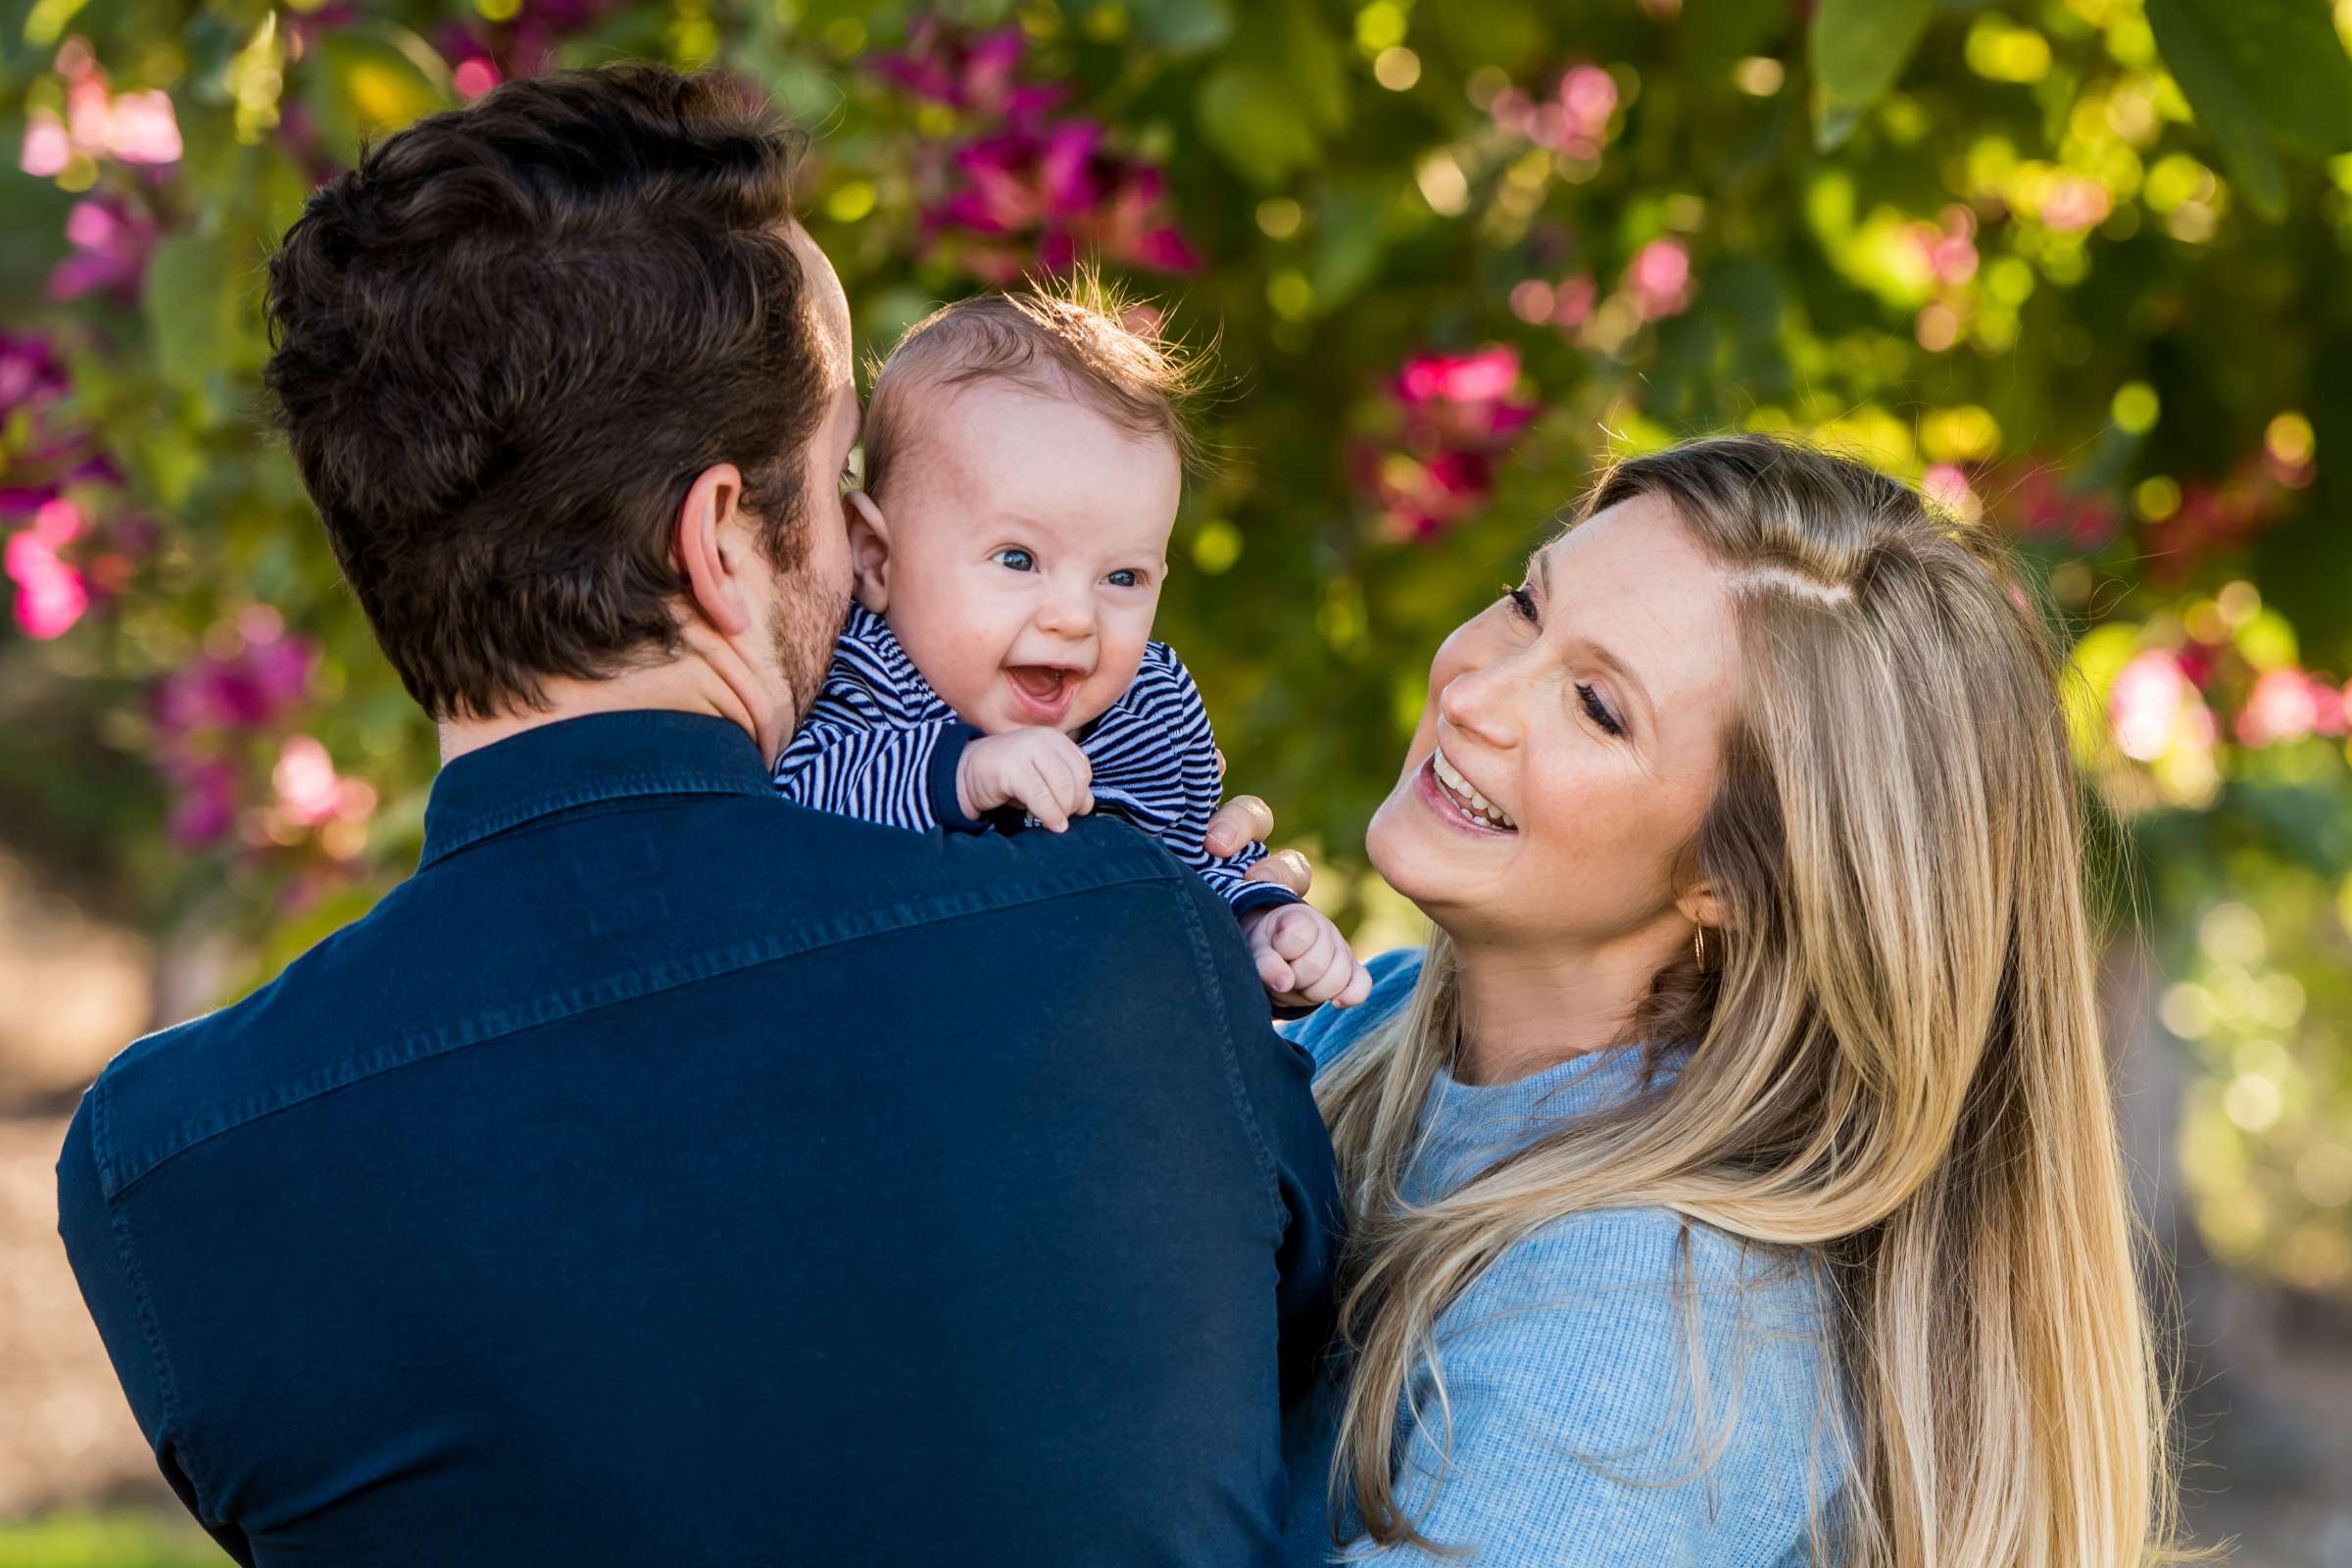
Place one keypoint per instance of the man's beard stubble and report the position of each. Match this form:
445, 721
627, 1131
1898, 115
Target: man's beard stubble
806, 623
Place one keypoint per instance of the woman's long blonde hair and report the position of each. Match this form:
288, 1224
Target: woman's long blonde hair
1897, 1056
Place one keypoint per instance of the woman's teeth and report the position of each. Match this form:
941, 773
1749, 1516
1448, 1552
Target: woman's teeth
1475, 804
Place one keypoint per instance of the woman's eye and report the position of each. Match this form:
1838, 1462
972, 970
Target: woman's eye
1125, 579
1016, 560
1523, 604
1596, 710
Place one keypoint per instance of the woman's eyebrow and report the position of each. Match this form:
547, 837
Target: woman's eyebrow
1599, 653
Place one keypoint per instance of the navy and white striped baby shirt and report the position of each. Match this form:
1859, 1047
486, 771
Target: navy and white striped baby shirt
881, 745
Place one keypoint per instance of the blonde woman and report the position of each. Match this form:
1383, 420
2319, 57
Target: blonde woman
1734, 1178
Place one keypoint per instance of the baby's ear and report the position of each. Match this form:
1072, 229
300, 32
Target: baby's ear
870, 551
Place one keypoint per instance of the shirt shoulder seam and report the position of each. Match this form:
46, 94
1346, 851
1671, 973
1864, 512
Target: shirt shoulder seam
119, 1173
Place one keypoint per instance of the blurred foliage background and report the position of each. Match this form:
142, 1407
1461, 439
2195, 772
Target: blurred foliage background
2076, 267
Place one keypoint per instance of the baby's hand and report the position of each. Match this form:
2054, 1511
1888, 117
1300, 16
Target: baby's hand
1304, 960
1042, 769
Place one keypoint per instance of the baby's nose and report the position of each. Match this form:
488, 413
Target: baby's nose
1067, 615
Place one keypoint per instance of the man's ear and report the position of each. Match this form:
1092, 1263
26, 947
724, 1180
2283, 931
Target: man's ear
712, 544
870, 551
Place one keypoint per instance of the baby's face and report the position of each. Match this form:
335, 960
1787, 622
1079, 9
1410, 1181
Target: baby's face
1028, 538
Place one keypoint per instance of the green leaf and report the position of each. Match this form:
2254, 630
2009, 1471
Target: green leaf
1352, 242
1283, 90
1858, 48
1183, 27
368, 80
195, 309
2256, 71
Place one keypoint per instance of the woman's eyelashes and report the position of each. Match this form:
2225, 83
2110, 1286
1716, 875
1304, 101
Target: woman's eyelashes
1523, 605
1596, 710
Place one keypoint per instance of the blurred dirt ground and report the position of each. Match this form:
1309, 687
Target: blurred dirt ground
68, 1439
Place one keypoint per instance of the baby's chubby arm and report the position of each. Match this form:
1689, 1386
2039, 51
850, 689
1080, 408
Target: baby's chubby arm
896, 776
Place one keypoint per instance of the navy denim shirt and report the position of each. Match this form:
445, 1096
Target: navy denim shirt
667, 1174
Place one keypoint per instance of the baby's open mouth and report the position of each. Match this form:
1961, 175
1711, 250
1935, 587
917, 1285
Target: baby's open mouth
1046, 685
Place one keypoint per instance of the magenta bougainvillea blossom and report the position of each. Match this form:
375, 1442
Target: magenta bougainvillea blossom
1017, 188
2040, 506
2152, 706
112, 243
1573, 118
51, 593
204, 712
2287, 704
1452, 414
971, 74
136, 128
1052, 195
482, 54
52, 589
1658, 280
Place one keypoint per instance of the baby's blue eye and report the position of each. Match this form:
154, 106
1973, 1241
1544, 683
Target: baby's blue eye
1016, 560
1124, 578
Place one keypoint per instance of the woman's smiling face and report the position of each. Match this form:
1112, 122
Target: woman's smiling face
1570, 745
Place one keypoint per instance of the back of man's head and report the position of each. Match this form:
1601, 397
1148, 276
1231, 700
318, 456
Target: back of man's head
507, 342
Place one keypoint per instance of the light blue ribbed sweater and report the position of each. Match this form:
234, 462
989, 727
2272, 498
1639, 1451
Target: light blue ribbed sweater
1577, 1434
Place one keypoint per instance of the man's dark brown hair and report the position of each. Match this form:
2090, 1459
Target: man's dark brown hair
508, 341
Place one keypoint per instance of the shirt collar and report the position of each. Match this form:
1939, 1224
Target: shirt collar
579, 761
1466, 1127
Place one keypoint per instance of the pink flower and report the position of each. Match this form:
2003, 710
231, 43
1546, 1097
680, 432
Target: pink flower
2148, 703
51, 595
1951, 249
1487, 377
262, 677
1948, 485
206, 715
1574, 119
207, 803
142, 128
2287, 704
1659, 279
1421, 498
970, 73
1052, 195
2074, 203
2041, 508
30, 374
1589, 96
137, 127
1453, 412
48, 147
475, 76
111, 247
310, 792
304, 780
488, 53
1574, 302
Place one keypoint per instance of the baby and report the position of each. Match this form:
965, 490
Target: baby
1024, 458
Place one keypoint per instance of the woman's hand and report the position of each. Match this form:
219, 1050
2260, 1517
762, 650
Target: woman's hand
1244, 819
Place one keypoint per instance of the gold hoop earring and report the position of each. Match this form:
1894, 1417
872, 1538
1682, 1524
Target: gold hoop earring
1698, 947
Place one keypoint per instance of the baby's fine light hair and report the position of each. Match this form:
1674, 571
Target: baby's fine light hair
1077, 338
